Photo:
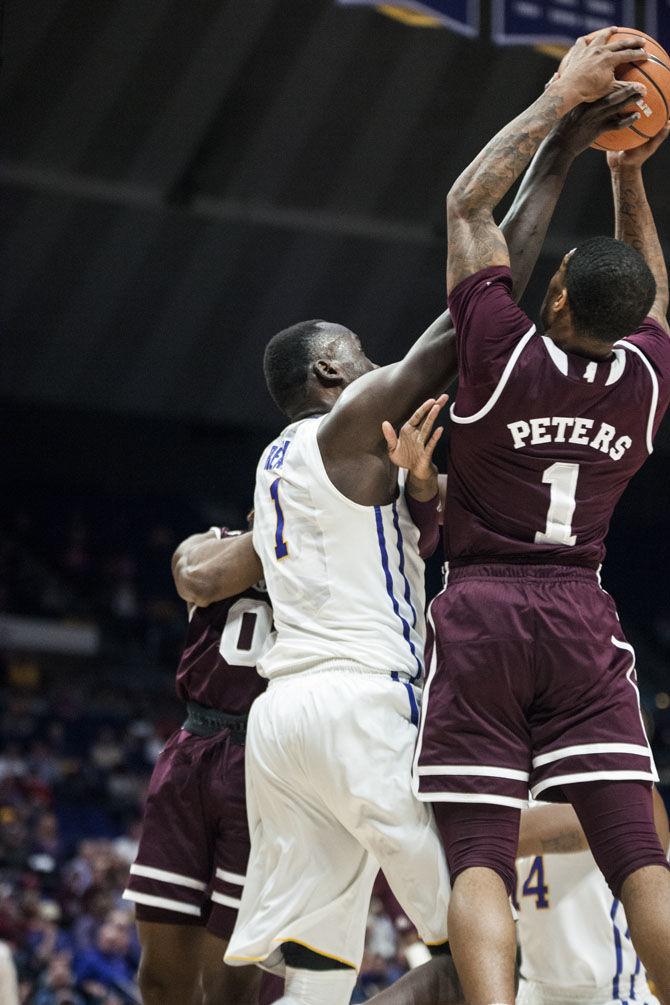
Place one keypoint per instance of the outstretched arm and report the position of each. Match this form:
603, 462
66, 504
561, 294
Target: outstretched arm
550, 829
206, 568
475, 240
553, 828
412, 449
353, 427
634, 221
527, 221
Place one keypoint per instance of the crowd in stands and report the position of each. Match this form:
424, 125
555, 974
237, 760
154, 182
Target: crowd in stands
78, 739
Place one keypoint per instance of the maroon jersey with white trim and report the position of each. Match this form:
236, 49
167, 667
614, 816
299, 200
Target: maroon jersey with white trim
223, 644
543, 442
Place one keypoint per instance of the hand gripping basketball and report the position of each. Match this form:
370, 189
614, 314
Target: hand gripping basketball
588, 69
653, 106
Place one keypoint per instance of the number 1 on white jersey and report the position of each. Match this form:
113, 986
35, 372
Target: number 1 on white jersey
563, 480
281, 547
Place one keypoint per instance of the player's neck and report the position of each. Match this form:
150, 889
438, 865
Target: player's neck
310, 413
319, 401
580, 345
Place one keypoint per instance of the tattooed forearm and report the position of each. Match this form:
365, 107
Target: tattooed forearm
527, 221
475, 241
492, 173
634, 224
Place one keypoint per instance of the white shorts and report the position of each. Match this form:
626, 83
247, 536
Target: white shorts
534, 993
329, 799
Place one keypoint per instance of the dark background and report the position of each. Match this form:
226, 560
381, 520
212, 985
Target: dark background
178, 181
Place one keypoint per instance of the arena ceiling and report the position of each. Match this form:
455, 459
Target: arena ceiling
179, 181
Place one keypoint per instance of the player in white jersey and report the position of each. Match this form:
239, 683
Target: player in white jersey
574, 937
330, 744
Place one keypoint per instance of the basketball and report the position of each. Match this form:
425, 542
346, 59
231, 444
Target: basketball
654, 106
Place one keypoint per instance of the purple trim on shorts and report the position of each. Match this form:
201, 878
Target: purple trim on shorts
414, 708
401, 566
617, 950
389, 585
636, 973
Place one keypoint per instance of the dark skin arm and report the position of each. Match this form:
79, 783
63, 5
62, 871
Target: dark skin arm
634, 221
354, 452
475, 240
206, 569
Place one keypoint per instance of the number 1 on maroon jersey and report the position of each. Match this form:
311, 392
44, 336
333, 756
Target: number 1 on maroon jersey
563, 480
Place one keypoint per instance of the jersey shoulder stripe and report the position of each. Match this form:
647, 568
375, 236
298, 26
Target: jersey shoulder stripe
511, 362
654, 390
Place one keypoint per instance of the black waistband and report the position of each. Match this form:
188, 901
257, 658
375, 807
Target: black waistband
205, 721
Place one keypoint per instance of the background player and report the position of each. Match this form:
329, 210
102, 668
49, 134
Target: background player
531, 662
188, 876
574, 937
340, 561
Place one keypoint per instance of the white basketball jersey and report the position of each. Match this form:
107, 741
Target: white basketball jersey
572, 932
346, 581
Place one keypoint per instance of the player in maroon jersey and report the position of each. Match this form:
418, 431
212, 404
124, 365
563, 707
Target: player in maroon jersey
187, 879
532, 681
188, 876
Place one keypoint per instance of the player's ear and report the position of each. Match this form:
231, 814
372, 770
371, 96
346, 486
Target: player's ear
327, 372
560, 300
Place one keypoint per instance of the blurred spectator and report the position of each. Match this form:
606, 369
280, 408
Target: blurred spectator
108, 964
79, 737
57, 985
106, 753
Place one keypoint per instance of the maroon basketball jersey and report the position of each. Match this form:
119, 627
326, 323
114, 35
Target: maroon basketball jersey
543, 442
223, 644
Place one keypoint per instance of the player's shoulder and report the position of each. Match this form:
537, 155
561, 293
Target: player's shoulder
276, 453
650, 344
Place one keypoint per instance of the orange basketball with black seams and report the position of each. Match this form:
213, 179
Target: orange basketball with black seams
653, 107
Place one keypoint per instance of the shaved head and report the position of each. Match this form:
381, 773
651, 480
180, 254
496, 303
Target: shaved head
292, 359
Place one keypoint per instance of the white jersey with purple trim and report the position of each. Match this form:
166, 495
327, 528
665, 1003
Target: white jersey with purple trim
575, 943
346, 581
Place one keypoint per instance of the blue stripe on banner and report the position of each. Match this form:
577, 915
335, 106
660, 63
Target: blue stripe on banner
657, 21
389, 582
617, 949
514, 23
414, 708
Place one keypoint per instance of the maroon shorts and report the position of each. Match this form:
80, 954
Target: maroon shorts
531, 685
192, 859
